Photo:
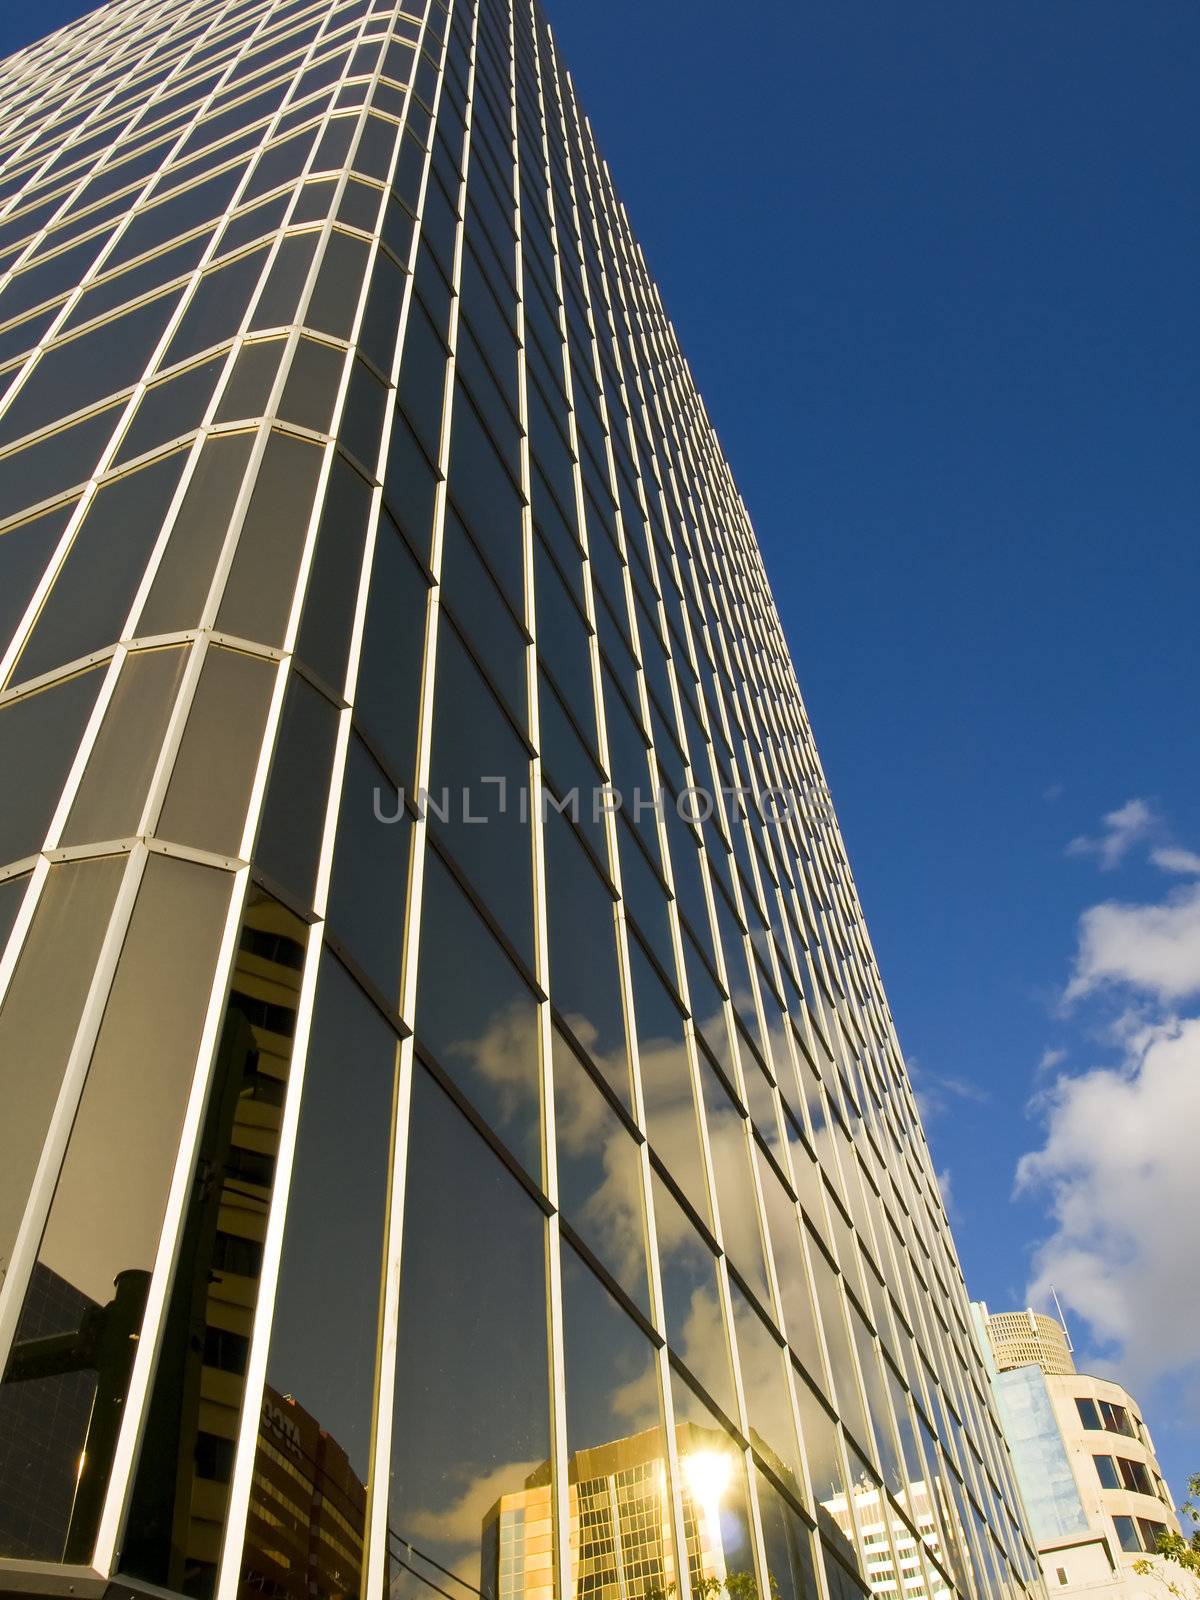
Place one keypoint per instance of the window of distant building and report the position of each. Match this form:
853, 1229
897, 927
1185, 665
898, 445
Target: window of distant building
1061, 1574
1134, 1476
1151, 1532
1117, 1419
1106, 1471
1127, 1535
1088, 1413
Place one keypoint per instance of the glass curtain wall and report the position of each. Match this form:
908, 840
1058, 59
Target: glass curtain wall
454, 1139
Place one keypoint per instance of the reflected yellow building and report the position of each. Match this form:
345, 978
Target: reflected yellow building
621, 1538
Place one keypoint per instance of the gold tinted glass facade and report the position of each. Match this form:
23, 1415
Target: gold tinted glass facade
454, 1136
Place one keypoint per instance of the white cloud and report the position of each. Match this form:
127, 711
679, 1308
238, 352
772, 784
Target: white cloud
1119, 1168
1130, 824
1152, 947
935, 1091
1049, 1060
458, 1519
1172, 859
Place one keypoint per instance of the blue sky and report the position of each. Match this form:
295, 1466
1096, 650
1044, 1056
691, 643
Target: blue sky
933, 265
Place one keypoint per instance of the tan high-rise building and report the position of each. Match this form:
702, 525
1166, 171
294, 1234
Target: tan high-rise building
1084, 1460
1022, 1338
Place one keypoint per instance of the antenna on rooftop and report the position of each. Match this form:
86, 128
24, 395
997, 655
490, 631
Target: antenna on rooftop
1062, 1320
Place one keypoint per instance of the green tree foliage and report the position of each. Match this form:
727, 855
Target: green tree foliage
734, 1586
1182, 1549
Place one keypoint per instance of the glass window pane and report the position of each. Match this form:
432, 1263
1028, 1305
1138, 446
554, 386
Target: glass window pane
294, 811
321, 1367
476, 604
787, 1539
334, 299
387, 695
1088, 1414
12, 892
280, 295
1151, 1533
410, 485
471, 1427
564, 644
185, 573
685, 867
691, 1298
585, 983
249, 386
311, 386
783, 1225
333, 580
878, 1408
170, 409
916, 1496
764, 1382
487, 497
837, 1342
55, 462
569, 768
611, 1376
39, 1017
214, 769
118, 773
727, 1139
39, 735
842, 1584
361, 421
481, 770
102, 1232
422, 380
218, 304
87, 607
377, 331
369, 887
72, 376
24, 552
666, 1071
1127, 1535
182, 1485
599, 1174
628, 758
262, 579
645, 898
716, 1513
483, 1034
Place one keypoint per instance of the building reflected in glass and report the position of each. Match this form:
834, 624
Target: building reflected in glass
453, 1137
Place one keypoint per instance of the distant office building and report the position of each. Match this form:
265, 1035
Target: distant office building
50, 1407
893, 1543
1024, 1338
304, 1533
1084, 1459
438, 1030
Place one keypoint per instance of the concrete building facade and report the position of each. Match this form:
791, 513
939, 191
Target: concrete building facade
1085, 1462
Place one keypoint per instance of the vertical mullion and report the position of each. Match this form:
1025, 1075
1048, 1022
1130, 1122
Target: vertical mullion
376, 1579
555, 1330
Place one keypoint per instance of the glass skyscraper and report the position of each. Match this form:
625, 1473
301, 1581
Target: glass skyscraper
452, 1135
